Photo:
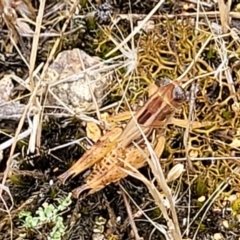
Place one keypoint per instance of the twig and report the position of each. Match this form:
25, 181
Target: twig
137, 29
54, 49
129, 211
90, 86
211, 14
190, 120
9, 161
52, 53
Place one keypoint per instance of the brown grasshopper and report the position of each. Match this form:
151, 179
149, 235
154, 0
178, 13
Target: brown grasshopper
105, 155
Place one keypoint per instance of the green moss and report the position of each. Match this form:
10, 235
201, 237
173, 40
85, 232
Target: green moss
200, 188
227, 115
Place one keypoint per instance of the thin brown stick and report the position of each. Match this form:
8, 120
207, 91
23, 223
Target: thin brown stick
137, 29
211, 14
90, 87
10, 158
190, 120
54, 49
130, 215
50, 58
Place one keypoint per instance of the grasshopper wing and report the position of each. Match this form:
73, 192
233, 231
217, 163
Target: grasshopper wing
95, 154
109, 170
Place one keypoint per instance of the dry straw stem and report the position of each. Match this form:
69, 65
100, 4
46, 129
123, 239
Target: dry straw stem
173, 226
57, 42
207, 205
140, 212
90, 87
137, 29
130, 215
31, 100
210, 14
36, 119
159, 176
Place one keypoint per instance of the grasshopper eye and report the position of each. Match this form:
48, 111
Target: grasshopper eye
179, 94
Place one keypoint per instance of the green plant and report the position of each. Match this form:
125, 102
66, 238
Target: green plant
48, 214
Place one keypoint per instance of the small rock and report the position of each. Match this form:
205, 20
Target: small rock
68, 81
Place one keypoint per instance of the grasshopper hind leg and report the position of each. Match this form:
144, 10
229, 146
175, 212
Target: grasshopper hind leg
65, 176
81, 192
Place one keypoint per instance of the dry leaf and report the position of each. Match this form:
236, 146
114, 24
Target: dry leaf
93, 131
175, 172
160, 146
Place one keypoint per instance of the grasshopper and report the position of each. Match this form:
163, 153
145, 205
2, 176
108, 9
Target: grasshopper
117, 143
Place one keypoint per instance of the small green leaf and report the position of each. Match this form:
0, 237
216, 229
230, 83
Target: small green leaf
31, 222
50, 211
41, 215
35, 222
24, 214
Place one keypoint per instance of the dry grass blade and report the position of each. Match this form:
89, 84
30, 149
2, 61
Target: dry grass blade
31, 100
209, 14
130, 215
174, 232
137, 29
158, 174
57, 42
